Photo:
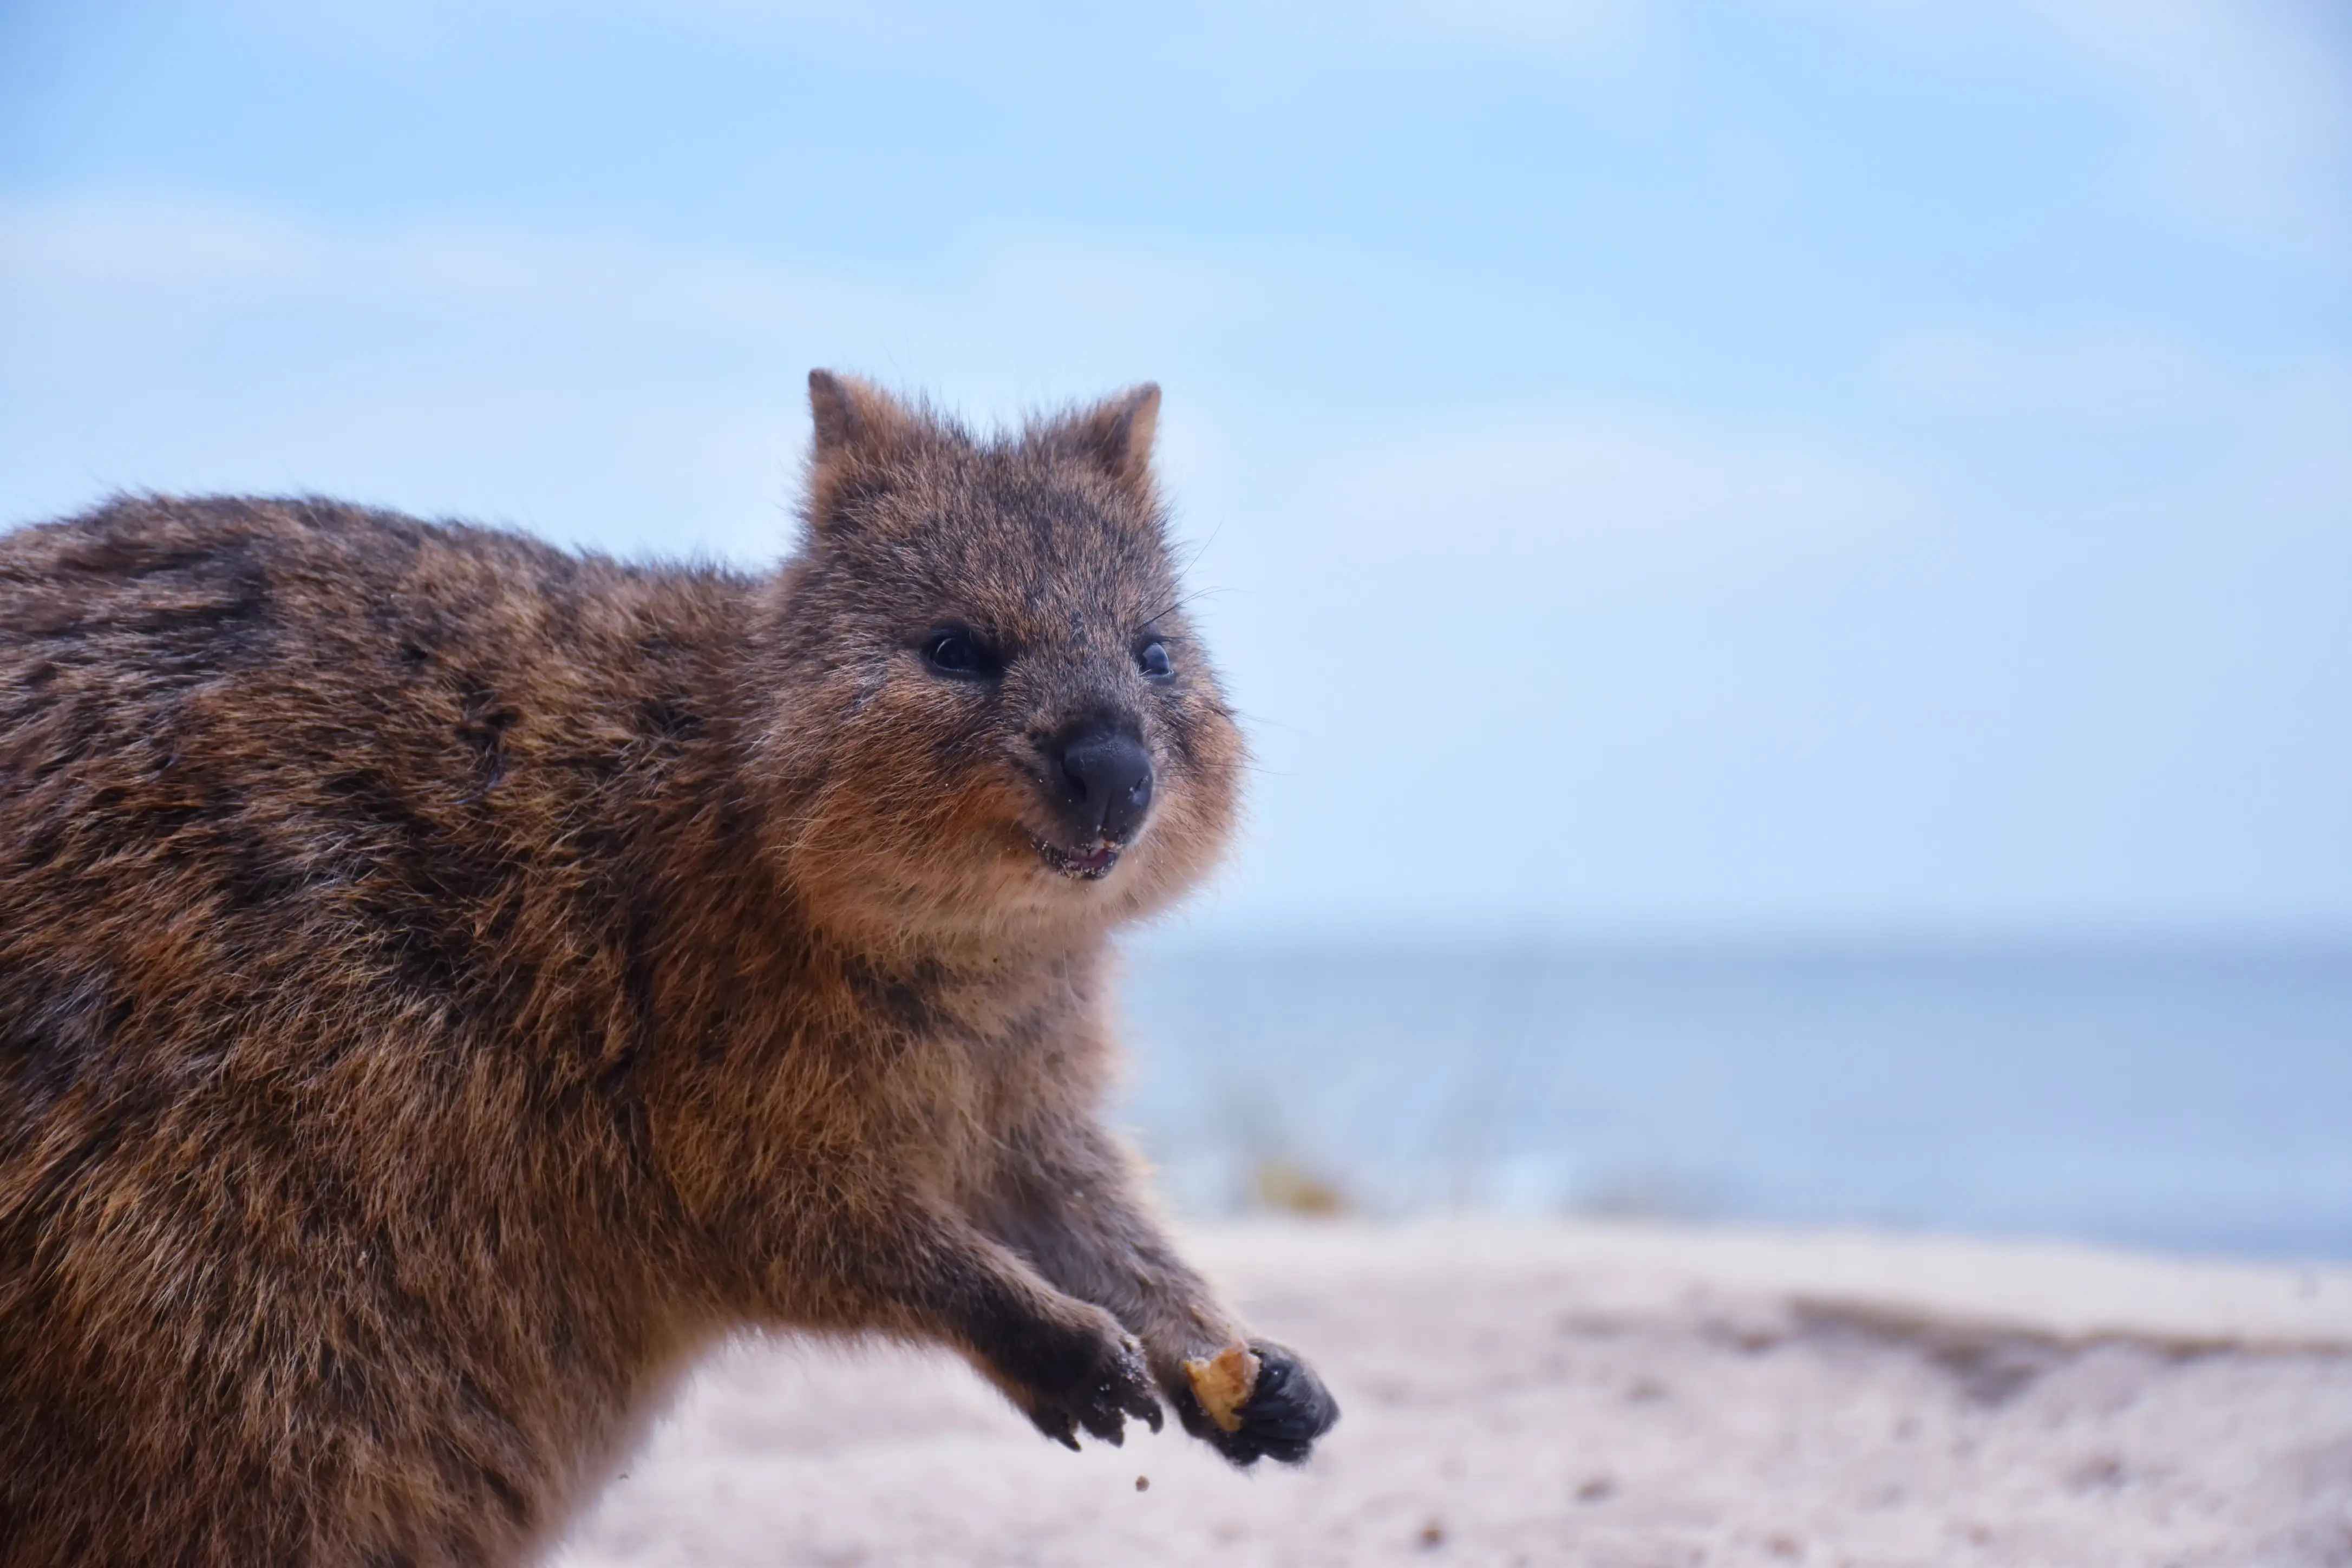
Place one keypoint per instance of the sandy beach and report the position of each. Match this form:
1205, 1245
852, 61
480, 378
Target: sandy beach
1615, 1396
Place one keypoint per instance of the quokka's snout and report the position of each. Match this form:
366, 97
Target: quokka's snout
1101, 780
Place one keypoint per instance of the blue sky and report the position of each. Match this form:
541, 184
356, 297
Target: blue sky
1820, 466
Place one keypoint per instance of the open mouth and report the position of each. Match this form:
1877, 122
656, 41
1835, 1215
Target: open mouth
1090, 867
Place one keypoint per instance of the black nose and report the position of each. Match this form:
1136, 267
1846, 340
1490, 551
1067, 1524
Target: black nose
1104, 779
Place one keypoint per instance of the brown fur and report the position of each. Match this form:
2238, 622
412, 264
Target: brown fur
446, 982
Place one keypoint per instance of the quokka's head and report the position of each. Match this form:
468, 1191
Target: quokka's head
994, 712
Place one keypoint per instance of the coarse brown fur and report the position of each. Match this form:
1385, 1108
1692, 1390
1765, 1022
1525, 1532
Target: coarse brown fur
446, 982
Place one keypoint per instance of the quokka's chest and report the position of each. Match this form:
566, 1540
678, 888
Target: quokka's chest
964, 1062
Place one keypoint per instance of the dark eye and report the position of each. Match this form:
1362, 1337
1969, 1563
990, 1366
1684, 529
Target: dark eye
949, 651
1152, 659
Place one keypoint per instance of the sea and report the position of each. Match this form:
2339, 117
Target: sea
2188, 1098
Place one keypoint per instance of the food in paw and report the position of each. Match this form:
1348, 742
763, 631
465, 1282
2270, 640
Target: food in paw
1222, 1383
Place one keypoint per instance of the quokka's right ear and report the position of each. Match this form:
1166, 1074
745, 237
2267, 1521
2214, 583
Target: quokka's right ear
854, 417
860, 428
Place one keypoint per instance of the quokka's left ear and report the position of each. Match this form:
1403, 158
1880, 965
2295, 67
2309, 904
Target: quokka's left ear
1117, 433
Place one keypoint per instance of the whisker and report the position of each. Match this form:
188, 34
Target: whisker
1183, 599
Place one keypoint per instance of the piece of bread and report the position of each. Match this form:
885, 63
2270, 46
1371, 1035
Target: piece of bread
1222, 1383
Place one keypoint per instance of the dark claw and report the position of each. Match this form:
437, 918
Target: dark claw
1139, 1401
1115, 1386
1102, 1421
1055, 1424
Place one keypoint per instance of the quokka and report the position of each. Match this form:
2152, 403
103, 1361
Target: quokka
447, 983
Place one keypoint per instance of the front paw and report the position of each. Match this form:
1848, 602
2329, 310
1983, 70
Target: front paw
1094, 1387
1287, 1410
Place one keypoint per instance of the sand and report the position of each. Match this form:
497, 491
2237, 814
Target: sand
1608, 1397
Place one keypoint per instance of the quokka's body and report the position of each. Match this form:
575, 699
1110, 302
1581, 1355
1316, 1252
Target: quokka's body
446, 982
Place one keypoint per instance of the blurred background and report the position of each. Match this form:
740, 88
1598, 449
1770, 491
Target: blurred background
1790, 567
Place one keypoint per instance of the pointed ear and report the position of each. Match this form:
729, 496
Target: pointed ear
1117, 433
860, 430
852, 416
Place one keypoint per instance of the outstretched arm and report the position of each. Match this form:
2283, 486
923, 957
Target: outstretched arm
919, 1270
1070, 1199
